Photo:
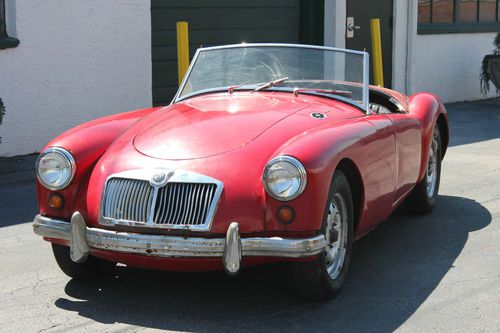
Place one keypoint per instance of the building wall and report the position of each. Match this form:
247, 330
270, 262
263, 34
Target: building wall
76, 61
445, 64
335, 23
405, 24
449, 64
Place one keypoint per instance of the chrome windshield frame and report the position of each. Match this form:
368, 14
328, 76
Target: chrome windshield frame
366, 67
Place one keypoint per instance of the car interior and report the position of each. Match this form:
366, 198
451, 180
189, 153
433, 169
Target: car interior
382, 103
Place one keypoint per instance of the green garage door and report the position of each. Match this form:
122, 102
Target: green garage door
226, 22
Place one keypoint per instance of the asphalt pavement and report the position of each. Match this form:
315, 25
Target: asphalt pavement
438, 272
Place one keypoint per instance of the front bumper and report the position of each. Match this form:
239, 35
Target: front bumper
231, 248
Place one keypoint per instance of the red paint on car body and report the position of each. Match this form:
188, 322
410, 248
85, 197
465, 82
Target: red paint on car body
231, 137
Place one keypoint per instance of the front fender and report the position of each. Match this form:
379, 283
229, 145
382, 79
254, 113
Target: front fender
87, 143
321, 150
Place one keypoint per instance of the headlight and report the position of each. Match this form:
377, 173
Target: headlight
55, 168
284, 178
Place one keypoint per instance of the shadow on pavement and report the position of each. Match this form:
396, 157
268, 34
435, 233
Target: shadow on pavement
393, 271
472, 122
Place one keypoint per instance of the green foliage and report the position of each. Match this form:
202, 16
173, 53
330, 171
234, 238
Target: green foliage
485, 76
496, 43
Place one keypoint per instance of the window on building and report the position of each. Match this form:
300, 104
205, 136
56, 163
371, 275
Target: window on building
5, 40
449, 16
442, 11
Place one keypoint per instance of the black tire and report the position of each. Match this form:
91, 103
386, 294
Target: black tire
311, 279
419, 201
91, 269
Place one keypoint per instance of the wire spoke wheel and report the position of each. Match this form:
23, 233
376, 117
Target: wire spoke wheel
431, 173
323, 277
336, 236
423, 197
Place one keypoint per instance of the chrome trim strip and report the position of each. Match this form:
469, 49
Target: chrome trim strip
154, 245
150, 221
182, 247
51, 228
280, 247
300, 46
177, 176
366, 82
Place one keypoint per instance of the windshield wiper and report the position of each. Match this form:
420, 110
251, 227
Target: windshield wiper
344, 93
271, 84
233, 88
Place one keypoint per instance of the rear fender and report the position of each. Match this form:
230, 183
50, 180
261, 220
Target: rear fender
427, 108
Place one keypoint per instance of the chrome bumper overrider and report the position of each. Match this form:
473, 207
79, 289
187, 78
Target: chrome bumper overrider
231, 249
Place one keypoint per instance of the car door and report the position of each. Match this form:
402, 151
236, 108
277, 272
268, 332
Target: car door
379, 174
408, 140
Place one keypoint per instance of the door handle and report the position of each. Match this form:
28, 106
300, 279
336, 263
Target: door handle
352, 27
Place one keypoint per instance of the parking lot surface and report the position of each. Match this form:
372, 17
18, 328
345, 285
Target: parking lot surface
438, 272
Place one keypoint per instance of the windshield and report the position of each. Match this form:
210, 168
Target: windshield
318, 70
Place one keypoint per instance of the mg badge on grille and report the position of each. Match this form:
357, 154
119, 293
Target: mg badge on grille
160, 178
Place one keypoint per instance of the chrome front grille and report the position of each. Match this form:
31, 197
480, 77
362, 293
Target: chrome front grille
128, 199
184, 203
180, 200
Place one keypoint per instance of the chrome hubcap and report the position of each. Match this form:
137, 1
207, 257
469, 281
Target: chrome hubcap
431, 174
336, 236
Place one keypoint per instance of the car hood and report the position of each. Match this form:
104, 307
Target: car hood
211, 125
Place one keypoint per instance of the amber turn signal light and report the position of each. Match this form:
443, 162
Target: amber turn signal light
286, 214
56, 201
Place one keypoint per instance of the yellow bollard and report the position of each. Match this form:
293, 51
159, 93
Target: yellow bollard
378, 69
182, 49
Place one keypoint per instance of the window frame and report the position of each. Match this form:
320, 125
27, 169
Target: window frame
459, 27
5, 40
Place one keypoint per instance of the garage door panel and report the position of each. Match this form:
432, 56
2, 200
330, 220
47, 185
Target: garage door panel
167, 79
228, 23
164, 52
186, 14
164, 94
220, 3
213, 37
215, 23
165, 66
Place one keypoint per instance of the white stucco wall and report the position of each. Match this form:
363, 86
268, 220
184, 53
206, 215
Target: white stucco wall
405, 24
449, 64
76, 61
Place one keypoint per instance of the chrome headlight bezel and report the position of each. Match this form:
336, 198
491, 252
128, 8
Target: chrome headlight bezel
301, 173
70, 161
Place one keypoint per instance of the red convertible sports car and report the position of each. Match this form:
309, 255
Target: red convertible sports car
267, 153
